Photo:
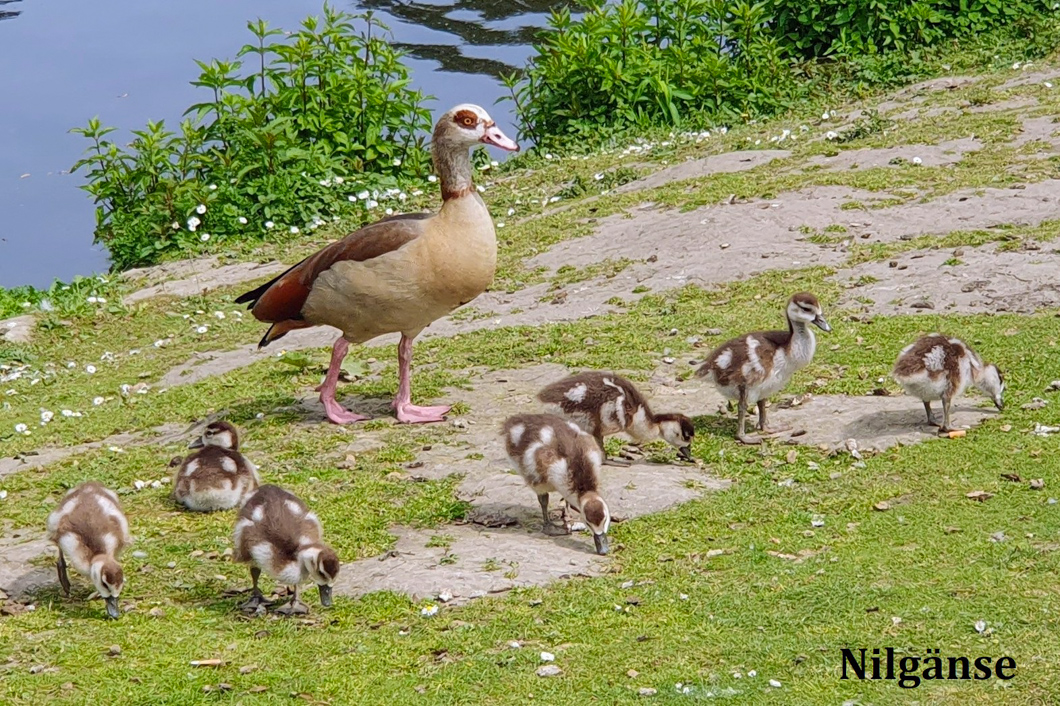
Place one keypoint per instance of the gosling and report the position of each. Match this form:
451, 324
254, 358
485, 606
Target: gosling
604, 404
754, 367
217, 476
90, 528
555, 455
936, 367
276, 533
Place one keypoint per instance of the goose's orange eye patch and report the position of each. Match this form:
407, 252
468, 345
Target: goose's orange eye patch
466, 118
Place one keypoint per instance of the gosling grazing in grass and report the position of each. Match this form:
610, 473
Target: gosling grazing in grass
753, 367
554, 455
217, 476
604, 404
936, 367
90, 528
276, 533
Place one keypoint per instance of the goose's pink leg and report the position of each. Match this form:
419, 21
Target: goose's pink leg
336, 413
407, 412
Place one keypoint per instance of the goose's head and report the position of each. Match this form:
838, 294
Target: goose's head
677, 430
321, 564
804, 308
598, 517
220, 434
991, 382
467, 125
108, 579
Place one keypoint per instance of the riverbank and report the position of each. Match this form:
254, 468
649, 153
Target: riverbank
740, 577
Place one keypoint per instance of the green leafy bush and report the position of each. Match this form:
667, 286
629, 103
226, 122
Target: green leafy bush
277, 142
637, 63
848, 28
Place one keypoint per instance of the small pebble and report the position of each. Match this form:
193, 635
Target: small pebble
549, 670
647, 691
548, 657
774, 683
114, 650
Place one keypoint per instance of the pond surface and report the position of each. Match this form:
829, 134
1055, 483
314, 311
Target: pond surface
128, 61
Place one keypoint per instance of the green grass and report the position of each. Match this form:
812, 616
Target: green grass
702, 615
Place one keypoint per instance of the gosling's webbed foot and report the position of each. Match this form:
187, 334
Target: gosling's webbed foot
619, 462
256, 602
749, 440
292, 607
770, 430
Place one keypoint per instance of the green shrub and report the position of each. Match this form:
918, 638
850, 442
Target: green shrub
848, 28
643, 62
277, 141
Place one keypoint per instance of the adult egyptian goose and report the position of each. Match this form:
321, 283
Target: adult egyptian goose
276, 533
553, 454
937, 367
217, 476
753, 367
89, 527
604, 404
397, 275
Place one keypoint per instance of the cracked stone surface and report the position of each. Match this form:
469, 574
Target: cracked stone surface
986, 281
728, 162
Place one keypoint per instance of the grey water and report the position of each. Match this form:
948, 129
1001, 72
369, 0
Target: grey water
129, 61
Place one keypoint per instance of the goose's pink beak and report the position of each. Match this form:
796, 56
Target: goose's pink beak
495, 137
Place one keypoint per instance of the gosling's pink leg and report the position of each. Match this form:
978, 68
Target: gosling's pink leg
407, 412
336, 412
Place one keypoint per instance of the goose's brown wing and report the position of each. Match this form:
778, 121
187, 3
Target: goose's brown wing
280, 300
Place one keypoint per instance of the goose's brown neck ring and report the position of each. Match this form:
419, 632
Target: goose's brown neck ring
453, 164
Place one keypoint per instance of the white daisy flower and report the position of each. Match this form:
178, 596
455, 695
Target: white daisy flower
339, 180
92, 300
202, 329
428, 611
371, 203
90, 369
46, 416
204, 237
270, 225
212, 187
397, 162
175, 225
917, 161
242, 220
193, 223
97, 401
21, 428
389, 212
69, 413
431, 178
362, 195
219, 314
831, 135
201, 208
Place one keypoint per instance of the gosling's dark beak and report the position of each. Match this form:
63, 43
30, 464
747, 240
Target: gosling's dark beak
112, 607
999, 404
325, 596
602, 545
685, 452
820, 323
196, 443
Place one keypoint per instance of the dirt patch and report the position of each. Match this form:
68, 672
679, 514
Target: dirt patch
1030, 77
199, 279
940, 155
18, 575
1043, 130
162, 435
985, 281
18, 329
715, 164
